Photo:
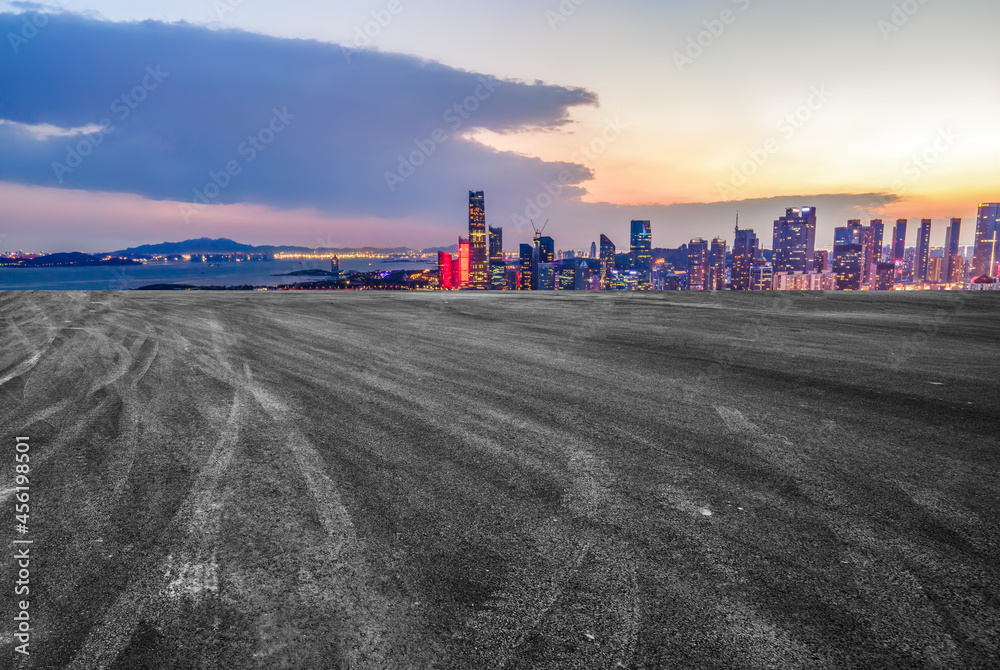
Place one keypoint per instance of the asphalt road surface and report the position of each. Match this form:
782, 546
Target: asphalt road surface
456, 480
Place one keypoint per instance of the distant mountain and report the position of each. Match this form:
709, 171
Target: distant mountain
202, 245
453, 249
222, 245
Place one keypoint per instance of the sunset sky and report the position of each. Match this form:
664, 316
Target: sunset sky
676, 112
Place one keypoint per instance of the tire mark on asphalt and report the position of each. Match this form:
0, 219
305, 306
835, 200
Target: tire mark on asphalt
161, 582
367, 612
23, 368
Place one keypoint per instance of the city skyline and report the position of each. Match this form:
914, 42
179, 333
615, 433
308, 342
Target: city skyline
572, 139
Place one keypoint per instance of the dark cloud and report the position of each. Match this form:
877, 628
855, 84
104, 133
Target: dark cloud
179, 102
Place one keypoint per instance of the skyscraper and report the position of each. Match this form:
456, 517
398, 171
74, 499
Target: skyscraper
868, 254
923, 251
745, 247
463, 263
544, 253
953, 262
879, 232
717, 265
593, 249
899, 247
987, 252
444, 270
849, 256
607, 262
821, 260
795, 240
479, 274
498, 276
698, 265
642, 253
526, 262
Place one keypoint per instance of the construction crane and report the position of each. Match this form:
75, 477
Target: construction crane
539, 231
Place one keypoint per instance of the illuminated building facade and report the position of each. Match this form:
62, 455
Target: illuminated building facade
954, 263
878, 234
642, 253
745, 251
935, 270
821, 261
607, 262
885, 276
527, 263
498, 270
762, 277
805, 281
479, 272
698, 265
899, 241
923, 251
898, 252
463, 263
544, 253
717, 265
849, 256
987, 250
795, 240
445, 269
868, 254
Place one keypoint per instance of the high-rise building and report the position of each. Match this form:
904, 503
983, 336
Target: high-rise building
878, 230
745, 249
607, 263
762, 277
527, 262
923, 251
498, 270
479, 271
954, 262
885, 276
717, 265
795, 240
869, 254
935, 270
642, 253
444, 270
821, 261
849, 256
898, 253
593, 249
698, 272
513, 271
464, 263
544, 253
987, 253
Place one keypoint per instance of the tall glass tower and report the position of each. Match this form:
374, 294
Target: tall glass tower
745, 246
642, 253
923, 251
987, 253
607, 263
795, 240
479, 268
498, 270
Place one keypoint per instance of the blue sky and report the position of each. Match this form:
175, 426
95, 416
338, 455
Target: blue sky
678, 112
